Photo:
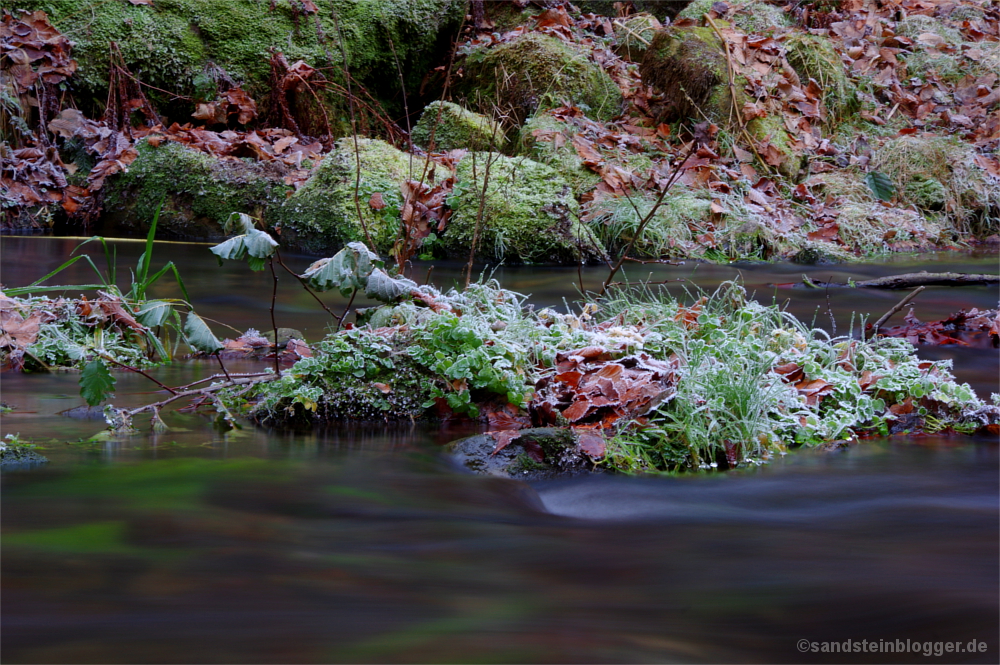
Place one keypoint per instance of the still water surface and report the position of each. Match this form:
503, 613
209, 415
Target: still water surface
361, 544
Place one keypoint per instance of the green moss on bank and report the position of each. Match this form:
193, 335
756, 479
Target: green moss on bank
199, 191
535, 71
528, 213
168, 43
322, 216
447, 126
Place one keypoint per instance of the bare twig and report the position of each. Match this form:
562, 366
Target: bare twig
642, 225
305, 286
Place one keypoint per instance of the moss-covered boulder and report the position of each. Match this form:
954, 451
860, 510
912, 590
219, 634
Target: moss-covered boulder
814, 57
167, 43
199, 191
322, 216
750, 17
447, 126
548, 140
688, 65
535, 71
525, 213
634, 35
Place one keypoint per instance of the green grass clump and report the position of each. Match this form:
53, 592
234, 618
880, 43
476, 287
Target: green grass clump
731, 408
669, 232
970, 199
750, 17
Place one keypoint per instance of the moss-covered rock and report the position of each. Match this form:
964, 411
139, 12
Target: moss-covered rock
168, 43
535, 71
634, 35
688, 65
814, 57
447, 126
322, 216
199, 191
528, 213
548, 140
750, 17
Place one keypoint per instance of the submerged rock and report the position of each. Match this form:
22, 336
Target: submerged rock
538, 453
18, 454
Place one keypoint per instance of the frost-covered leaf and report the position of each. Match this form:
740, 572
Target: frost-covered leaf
153, 313
199, 336
96, 382
240, 223
346, 270
881, 185
384, 288
254, 243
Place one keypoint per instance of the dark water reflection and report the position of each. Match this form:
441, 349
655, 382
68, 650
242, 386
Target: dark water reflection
364, 545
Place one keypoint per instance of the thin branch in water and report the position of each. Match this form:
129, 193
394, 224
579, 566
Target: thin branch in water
274, 325
898, 306
305, 286
139, 371
224, 370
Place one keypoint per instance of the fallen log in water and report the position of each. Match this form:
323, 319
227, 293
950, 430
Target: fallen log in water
911, 280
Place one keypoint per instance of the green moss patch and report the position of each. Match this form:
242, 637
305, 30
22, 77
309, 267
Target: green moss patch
548, 140
688, 65
447, 126
535, 71
524, 210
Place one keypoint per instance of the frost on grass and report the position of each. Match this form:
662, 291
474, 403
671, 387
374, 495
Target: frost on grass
649, 383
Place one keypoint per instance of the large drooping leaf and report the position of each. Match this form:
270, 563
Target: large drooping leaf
199, 336
96, 382
881, 185
252, 243
384, 288
153, 313
347, 270
239, 223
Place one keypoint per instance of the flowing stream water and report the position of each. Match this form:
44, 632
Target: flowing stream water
364, 544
